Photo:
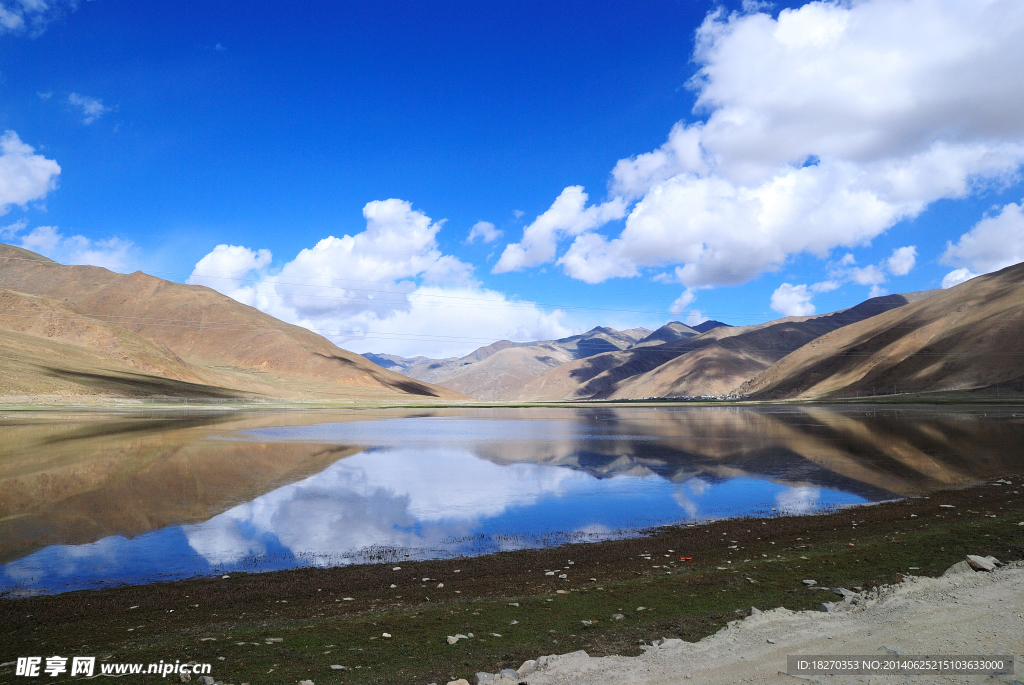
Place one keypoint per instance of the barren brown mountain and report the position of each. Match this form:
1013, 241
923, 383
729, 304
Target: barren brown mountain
84, 330
713, 363
966, 338
499, 371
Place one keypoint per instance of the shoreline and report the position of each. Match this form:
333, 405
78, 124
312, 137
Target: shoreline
733, 564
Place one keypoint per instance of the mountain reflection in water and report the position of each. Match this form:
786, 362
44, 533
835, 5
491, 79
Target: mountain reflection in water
115, 501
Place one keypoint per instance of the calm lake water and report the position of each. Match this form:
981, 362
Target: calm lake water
92, 500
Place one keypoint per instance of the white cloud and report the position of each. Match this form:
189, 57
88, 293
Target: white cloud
92, 108
11, 230
902, 260
111, 253
567, 216
386, 289
956, 277
695, 317
24, 175
227, 266
32, 16
682, 302
823, 128
485, 231
993, 243
792, 300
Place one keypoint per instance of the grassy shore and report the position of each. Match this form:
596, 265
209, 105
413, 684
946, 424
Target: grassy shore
736, 564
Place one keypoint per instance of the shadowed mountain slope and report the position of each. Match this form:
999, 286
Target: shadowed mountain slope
84, 330
499, 370
968, 337
713, 363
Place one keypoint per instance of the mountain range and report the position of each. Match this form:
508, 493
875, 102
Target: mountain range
967, 338
69, 331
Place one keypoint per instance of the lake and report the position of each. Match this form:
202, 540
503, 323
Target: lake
94, 499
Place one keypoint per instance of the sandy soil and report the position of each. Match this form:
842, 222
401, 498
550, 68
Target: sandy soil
969, 614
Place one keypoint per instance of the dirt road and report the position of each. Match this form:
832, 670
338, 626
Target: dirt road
968, 613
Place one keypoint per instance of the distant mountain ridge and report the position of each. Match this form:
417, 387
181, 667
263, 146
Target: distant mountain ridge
498, 370
965, 338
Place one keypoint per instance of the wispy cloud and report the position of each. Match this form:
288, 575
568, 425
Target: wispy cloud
31, 17
111, 253
92, 108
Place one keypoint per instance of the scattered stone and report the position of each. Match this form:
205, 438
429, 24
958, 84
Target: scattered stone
338, 667
470, 635
225, 576
527, 668
452, 639
587, 623
385, 634
980, 563
563, 575
960, 567
827, 606
947, 506
617, 617
809, 582
513, 604
549, 573
484, 677
513, 622
206, 680
185, 677
393, 586
440, 584
348, 599
561, 592
460, 681
207, 639
771, 641
397, 568
272, 640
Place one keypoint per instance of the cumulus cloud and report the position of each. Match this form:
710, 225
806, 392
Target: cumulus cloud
228, 266
485, 231
111, 253
567, 216
822, 128
902, 260
32, 16
24, 175
385, 289
792, 300
92, 108
993, 243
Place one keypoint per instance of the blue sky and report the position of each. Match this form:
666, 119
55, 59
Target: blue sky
739, 162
